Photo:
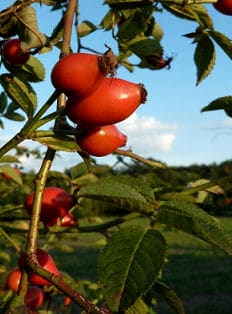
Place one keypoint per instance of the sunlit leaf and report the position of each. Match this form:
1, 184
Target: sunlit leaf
85, 28
12, 173
157, 32
194, 220
118, 193
28, 29
107, 21
194, 12
138, 307
222, 103
8, 158
129, 264
63, 143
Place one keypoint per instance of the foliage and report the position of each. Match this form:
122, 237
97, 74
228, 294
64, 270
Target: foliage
131, 262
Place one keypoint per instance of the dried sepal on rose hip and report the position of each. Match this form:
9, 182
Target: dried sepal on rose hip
81, 73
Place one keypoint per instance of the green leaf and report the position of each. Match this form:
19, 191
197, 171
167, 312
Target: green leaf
222, 103
194, 12
194, 220
3, 102
8, 158
146, 47
7, 27
169, 296
5, 257
63, 143
107, 21
138, 307
32, 71
224, 42
85, 28
129, 264
135, 24
28, 30
78, 170
204, 57
15, 116
20, 92
157, 32
57, 32
120, 194
12, 173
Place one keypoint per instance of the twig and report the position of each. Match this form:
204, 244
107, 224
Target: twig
151, 163
18, 249
16, 7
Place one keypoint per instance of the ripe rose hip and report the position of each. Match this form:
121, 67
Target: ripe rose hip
113, 101
101, 141
77, 73
45, 261
223, 6
13, 53
34, 297
13, 279
55, 204
68, 220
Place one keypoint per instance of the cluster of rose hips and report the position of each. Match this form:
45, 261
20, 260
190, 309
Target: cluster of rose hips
96, 100
35, 295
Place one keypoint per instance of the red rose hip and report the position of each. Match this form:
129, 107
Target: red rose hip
13, 53
77, 73
55, 204
101, 141
113, 101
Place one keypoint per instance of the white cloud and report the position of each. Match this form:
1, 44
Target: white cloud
147, 135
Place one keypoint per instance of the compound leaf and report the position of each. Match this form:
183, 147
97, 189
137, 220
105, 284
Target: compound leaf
129, 264
194, 220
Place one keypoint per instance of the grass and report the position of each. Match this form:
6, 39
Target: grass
199, 273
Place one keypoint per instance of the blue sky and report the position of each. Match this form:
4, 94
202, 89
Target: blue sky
169, 126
